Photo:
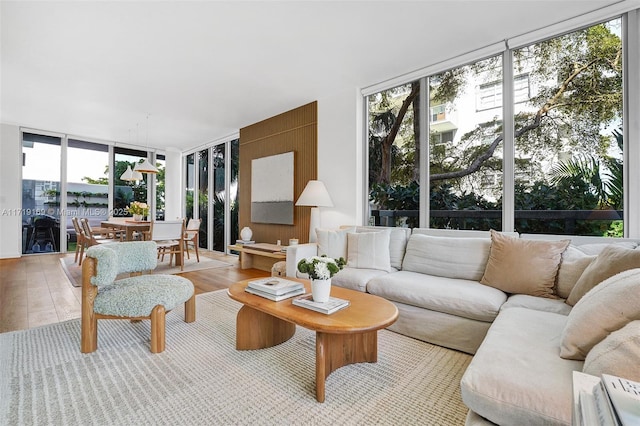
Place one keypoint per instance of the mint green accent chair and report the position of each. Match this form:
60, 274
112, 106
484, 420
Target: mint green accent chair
138, 297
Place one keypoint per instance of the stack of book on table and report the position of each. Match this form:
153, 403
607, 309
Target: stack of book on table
241, 242
332, 305
275, 289
605, 401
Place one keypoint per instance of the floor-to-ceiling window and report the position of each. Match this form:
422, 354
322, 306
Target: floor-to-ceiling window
394, 166
568, 134
465, 146
203, 196
160, 186
87, 185
565, 100
214, 172
41, 225
190, 182
125, 191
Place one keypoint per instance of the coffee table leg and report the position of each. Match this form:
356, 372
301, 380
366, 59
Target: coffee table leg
337, 350
257, 330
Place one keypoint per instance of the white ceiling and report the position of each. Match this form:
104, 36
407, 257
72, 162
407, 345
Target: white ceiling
202, 70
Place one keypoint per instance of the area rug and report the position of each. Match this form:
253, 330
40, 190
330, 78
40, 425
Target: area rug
200, 378
74, 272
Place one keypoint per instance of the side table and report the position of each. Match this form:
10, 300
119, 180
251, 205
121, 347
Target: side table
259, 255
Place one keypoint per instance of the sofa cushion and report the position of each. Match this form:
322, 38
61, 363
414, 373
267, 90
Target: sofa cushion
618, 354
595, 249
369, 250
398, 238
355, 278
612, 260
333, 242
516, 376
464, 298
523, 266
449, 257
557, 306
606, 308
574, 262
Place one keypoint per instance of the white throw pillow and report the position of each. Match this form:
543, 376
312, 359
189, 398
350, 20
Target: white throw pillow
574, 262
369, 250
449, 257
333, 242
618, 354
607, 307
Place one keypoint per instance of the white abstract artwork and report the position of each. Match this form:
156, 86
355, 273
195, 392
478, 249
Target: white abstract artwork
272, 189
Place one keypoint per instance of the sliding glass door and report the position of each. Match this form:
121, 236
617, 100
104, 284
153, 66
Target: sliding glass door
41, 156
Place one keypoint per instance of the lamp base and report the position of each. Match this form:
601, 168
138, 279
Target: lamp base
314, 222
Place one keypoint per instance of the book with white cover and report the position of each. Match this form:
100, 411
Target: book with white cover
334, 304
625, 397
275, 285
275, 298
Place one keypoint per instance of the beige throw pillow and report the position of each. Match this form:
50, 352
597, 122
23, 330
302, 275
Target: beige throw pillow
369, 250
612, 260
574, 262
608, 307
523, 266
618, 354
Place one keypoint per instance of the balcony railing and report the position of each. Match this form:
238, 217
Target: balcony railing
569, 217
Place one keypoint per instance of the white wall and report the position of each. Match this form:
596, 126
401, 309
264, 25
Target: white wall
173, 185
340, 157
10, 192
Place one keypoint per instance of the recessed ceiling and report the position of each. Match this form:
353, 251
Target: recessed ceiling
202, 70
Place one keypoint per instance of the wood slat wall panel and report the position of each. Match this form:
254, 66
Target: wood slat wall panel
297, 131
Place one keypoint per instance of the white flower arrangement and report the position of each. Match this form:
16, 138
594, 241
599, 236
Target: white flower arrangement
321, 267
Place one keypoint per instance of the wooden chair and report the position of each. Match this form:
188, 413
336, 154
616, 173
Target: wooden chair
168, 235
92, 238
80, 240
192, 235
138, 297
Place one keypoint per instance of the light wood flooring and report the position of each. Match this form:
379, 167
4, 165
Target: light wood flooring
34, 290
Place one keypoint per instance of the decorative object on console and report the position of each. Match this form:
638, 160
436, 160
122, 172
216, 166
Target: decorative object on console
246, 233
320, 270
272, 189
315, 195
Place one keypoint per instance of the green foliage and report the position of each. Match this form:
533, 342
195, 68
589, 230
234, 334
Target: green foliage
321, 267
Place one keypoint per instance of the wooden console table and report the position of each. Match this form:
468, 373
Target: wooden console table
259, 255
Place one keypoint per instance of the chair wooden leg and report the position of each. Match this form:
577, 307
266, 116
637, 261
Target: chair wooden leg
157, 329
195, 245
190, 309
88, 321
186, 248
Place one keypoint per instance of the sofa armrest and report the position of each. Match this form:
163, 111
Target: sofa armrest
296, 253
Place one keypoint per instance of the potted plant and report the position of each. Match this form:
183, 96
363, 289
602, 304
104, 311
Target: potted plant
320, 270
138, 210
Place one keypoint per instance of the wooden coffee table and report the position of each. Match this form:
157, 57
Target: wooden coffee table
345, 337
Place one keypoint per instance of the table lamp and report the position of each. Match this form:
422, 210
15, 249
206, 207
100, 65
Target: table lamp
315, 195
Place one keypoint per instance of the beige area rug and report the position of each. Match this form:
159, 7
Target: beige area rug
74, 272
201, 379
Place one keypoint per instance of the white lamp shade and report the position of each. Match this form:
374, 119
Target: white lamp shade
128, 174
145, 167
135, 175
315, 194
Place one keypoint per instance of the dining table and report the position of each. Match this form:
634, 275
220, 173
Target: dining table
126, 224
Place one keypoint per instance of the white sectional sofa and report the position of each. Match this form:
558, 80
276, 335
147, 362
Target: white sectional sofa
517, 375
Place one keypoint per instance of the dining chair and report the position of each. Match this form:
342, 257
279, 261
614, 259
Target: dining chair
91, 238
191, 236
168, 235
80, 240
